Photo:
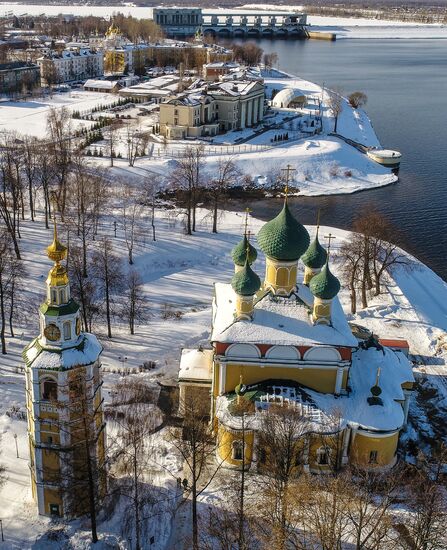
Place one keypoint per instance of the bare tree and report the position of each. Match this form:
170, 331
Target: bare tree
83, 289
351, 255
383, 254
324, 509
131, 216
86, 201
11, 189
357, 99
186, 180
370, 495
136, 142
196, 443
425, 527
134, 307
30, 168
113, 131
107, 271
59, 133
135, 425
225, 175
151, 187
10, 275
282, 443
335, 102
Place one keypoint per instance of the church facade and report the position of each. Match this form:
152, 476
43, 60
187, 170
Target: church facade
282, 342
66, 429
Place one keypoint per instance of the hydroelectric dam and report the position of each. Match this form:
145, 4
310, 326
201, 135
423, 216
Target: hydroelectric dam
186, 22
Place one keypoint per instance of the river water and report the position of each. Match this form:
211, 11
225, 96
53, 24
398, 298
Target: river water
406, 84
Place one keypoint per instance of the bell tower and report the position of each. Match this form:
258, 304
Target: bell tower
63, 399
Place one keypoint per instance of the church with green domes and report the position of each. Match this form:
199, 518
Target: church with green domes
283, 339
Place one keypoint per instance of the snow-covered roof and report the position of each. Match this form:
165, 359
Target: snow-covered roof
287, 95
278, 321
196, 364
353, 409
233, 87
100, 84
85, 352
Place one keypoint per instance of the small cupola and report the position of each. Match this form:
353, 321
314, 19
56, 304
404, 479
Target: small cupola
246, 284
324, 286
283, 241
313, 259
239, 253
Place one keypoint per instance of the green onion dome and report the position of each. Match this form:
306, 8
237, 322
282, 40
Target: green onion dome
245, 282
283, 238
315, 256
239, 252
325, 285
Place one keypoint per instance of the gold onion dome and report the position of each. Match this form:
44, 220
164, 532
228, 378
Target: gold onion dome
283, 238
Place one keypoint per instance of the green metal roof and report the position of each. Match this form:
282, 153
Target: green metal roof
283, 238
246, 282
239, 252
324, 285
57, 311
315, 256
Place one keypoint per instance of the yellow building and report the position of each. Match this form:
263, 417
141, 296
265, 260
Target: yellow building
284, 343
221, 107
63, 400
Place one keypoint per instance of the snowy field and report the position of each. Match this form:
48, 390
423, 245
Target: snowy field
180, 271
344, 27
29, 117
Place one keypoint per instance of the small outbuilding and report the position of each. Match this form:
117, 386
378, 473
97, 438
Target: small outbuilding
289, 98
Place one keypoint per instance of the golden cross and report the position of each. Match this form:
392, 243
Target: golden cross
329, 237
288, 170
247, 212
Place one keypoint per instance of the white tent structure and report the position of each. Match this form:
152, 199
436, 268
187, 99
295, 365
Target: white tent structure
289, 97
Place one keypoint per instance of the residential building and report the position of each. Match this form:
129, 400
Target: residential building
70, 65
17, 76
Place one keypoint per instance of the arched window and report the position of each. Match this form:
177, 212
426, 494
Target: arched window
54, 295
237, 448
62, 296
323, 455
67, 330
49, 389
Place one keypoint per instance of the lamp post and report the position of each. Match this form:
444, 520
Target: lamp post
17, 447
1, 530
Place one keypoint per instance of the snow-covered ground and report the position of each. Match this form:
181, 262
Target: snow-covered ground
29, 117
324, 164
180, 271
